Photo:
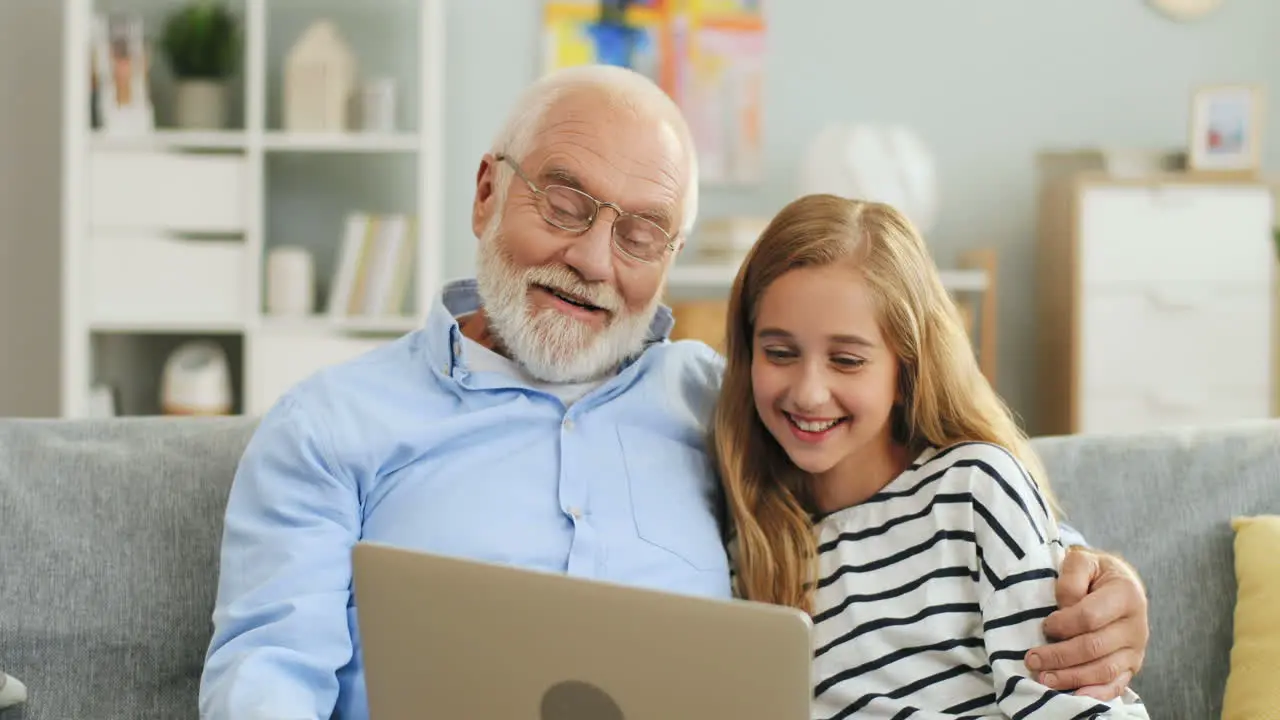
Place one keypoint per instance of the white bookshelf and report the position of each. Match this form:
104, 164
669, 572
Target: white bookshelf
166, 234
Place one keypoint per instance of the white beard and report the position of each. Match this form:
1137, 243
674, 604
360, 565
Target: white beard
554, 347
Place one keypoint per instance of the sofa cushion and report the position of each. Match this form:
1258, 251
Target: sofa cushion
111, 530
1252, 690
12, 691
1165, 501
110, 537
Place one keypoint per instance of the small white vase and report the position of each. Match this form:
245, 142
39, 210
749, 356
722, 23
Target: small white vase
290, 282
200, 104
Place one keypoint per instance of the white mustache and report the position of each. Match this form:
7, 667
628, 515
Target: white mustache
565, 281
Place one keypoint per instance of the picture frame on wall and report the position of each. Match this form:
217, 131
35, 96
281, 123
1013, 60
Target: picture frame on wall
1226, 130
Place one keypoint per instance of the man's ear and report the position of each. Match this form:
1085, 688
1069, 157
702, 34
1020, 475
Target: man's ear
485, 203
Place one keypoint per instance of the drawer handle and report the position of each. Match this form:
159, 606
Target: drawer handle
1167, 404
1172, 302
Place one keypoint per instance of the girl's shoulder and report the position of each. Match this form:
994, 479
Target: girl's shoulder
993, 479
963, 459
985, 470
964, 469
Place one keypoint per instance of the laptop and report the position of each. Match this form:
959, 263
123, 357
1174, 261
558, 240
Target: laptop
445, 638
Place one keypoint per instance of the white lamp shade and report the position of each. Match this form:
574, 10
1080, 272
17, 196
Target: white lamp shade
1186, 10
888, 164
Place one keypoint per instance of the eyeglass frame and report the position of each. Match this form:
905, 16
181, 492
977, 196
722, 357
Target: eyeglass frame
670, 245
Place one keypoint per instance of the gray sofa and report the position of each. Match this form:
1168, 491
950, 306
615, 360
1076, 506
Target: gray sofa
109, 535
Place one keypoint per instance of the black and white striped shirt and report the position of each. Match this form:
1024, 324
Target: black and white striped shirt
931, 592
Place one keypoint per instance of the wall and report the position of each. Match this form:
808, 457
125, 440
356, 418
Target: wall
30, 137
987, 84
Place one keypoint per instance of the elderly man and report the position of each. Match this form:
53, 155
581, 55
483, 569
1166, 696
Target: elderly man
540, 417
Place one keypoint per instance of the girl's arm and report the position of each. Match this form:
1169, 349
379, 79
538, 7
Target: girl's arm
1019, 552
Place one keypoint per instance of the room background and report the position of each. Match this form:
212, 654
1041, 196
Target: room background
987, 86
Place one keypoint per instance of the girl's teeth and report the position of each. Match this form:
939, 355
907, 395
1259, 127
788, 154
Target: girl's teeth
808, 426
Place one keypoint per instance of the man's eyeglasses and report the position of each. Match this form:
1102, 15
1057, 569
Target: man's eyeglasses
573, 210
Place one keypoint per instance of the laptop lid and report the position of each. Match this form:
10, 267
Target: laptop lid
450, 638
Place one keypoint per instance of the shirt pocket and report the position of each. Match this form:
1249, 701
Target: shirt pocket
675, 497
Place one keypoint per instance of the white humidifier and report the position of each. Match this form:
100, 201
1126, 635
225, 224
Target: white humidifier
197, 380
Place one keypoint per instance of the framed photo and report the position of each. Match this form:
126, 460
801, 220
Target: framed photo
1226, 130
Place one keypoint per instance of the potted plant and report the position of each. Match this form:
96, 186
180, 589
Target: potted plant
202, 43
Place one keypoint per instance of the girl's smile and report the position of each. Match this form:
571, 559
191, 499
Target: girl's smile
813, 430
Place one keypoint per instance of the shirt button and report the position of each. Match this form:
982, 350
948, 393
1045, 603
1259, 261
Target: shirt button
457, 348
576, 513
567, 424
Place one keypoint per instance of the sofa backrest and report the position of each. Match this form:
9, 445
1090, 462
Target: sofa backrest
109, 534
110, 531
1164, 501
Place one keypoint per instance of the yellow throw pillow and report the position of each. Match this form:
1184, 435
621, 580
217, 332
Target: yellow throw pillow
1253, 691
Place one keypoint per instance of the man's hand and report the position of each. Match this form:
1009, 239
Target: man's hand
1100, 627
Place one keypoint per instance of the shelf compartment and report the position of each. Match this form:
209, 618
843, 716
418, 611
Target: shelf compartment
161, 79
140, 280
168, 191
132, 367
383, 37
309, 197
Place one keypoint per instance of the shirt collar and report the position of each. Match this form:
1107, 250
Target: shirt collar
462, 297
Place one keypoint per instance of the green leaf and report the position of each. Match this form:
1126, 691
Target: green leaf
202, 41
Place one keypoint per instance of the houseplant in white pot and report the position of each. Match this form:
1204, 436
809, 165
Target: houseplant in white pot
201, 42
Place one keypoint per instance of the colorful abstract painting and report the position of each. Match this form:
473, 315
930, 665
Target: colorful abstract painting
707, 54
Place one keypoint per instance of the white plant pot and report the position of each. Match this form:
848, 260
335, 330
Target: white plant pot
200, 104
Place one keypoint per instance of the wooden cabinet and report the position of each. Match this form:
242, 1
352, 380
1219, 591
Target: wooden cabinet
703, 319
1155, 303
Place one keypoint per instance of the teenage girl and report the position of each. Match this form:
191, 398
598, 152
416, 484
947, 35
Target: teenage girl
878, 482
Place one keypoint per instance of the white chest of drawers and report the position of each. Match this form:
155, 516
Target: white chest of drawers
1155, 304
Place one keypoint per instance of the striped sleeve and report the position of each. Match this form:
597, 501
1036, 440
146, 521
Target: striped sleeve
1019, 552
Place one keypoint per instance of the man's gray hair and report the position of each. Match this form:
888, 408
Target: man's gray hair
519, 132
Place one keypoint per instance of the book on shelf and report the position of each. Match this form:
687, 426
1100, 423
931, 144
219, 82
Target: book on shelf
375, 266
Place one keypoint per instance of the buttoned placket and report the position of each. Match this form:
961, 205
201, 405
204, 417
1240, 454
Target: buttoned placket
450, 359
586, 554
455, 357
584, 550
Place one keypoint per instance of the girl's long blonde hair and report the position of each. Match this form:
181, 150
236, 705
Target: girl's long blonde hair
943, 397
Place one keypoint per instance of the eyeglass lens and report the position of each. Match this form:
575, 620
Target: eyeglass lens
572, 210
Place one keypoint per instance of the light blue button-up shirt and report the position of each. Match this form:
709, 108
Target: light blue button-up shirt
408, 446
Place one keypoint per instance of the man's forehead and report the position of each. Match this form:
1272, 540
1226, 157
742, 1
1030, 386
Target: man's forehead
644, 191
592, 129
611, 174
627, 147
